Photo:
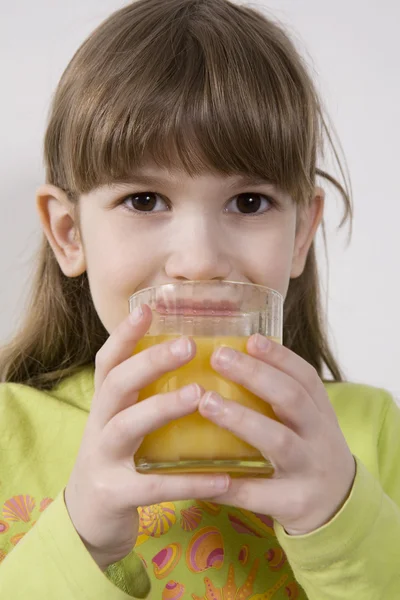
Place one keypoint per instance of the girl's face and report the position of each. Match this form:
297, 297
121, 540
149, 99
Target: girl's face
165, 226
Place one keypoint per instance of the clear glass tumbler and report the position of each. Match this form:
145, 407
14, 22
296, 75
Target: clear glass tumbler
213, 314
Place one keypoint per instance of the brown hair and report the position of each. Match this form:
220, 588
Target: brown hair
199, 84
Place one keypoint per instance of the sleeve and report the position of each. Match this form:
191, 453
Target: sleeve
356, 554
52, 562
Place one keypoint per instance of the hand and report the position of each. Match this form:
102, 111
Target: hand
104, 490
314, 468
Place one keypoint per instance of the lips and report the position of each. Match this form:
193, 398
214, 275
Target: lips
198, 308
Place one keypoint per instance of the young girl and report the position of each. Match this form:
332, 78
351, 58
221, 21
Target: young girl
183, 144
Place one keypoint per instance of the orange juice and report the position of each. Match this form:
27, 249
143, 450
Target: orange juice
193, 443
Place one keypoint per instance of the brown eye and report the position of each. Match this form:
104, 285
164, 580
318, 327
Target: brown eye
250, 203
144, 202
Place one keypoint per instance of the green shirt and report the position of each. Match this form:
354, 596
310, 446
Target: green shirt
193, 549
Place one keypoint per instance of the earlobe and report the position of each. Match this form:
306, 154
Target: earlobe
56, 213
310, 220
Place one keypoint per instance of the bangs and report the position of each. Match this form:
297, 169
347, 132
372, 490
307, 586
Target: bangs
206, 87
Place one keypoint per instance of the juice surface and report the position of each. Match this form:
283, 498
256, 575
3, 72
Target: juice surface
194, 438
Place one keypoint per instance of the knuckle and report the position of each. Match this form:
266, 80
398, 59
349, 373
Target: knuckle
157, 357
283, 441
173, 405
161, 357
312, 377
118, 426
300, 500
254, 370
312, 374
291, 399
238, 416
114, 383
102, 491
241, 493
100, 359
154, 487
276, 353
166, 405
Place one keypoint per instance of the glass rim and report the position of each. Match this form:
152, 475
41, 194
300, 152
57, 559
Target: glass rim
209, 282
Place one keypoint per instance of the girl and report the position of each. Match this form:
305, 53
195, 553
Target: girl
183, 144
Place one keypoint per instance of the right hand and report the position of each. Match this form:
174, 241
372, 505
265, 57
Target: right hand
104, 489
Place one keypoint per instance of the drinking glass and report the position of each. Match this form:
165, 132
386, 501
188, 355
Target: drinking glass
213, 314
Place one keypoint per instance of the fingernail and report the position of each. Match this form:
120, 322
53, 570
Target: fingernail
262, 342
136, 315
182, 348
190, 393
213, 403
220, 483
224, 356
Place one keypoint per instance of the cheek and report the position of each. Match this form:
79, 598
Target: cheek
272, 260
116, 267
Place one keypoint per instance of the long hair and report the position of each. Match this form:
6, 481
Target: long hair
194, 84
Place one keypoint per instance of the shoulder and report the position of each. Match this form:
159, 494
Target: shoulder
363, 413
358, 394
24, 408
359, 402
40, 433
75, 391
15, 402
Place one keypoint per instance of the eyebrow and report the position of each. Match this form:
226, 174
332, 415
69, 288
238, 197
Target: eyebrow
140, 178
244, 180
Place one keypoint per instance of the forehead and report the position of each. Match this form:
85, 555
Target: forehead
150, 174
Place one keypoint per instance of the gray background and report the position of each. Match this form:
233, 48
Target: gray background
353, 48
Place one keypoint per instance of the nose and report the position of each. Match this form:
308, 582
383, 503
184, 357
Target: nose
197, 253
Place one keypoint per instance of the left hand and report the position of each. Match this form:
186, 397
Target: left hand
314, 467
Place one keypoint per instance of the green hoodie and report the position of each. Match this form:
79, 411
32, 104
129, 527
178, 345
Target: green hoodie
193, 549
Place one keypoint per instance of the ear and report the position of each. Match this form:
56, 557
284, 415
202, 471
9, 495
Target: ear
56, 213
309, 219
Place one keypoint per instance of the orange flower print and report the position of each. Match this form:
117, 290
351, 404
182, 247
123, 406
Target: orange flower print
209, 507
141, 537
155, 520
165, 561
4, 526
276, 558
241, 527
142, 558
230, 591
45, 503
205, 550
264, 523
292, 590
19, 508
190, 518
272, 591
244, 555
173, 591
3, 554
17, 538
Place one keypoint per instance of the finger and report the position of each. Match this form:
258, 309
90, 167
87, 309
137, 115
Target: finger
293, 365
121, 343
289, 400
154, 489
277, 443
262, 495
125, 432
122, 385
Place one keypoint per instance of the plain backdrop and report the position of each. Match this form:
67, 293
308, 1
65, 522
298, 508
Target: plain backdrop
353, 50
